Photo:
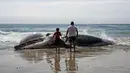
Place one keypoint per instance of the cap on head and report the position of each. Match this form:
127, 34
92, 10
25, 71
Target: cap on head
72, 23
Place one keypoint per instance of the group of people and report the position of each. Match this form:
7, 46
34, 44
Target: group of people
71, 35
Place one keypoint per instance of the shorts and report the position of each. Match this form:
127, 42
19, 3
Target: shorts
72, 39
57, 42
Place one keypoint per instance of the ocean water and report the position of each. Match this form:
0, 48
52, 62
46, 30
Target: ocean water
13, 33
40, 61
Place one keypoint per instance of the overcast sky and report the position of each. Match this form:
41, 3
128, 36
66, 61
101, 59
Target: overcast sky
64, 11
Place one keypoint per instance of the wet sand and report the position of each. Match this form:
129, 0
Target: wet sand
85, 60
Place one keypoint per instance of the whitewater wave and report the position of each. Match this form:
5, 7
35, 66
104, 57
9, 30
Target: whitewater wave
101, 33
122, 40
4, 33
15, 37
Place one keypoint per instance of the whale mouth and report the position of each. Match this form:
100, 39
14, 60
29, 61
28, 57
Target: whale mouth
108, 42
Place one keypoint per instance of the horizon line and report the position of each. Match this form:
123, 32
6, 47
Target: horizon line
62, 23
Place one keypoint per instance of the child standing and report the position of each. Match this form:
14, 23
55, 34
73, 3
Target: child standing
56, 36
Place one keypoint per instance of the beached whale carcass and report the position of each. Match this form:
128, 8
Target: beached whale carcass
37, 41
87, 40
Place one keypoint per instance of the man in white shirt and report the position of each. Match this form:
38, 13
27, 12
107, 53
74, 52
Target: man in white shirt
72, 34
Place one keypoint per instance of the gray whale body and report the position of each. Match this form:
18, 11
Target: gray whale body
87, 40
37, 41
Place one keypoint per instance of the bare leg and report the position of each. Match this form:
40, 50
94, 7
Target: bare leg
58, 50
74, 46
71, 46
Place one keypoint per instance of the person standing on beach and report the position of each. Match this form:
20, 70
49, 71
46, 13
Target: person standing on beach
72, 34
57, 39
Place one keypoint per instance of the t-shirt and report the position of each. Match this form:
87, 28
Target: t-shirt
57, 35
72, 31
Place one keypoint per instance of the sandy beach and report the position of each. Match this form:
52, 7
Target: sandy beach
85, 60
